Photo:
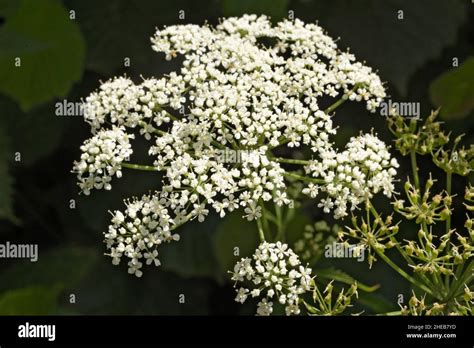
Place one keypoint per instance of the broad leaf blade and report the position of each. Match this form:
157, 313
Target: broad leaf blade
48, 56
453, 91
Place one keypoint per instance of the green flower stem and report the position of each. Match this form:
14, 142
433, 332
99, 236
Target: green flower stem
402, 252
139, 167
340, 101
449, 175
448, 190
403, 273
291, 161
458, 275
335, 105
416, 178
160, 132
279, 222
186, 219
392, 238
160, 108
265, 217
414, 168
463, 280
437, 277
320, 299
260, 230
389, 262
155, 130
303, 178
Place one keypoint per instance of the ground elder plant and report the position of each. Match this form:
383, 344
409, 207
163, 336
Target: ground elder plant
216, 129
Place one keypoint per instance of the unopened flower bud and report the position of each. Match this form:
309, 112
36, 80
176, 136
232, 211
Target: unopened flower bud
445, 213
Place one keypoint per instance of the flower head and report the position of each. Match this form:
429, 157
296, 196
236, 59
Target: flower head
363, 169
101, 159
138, 231
276, 274
232, 93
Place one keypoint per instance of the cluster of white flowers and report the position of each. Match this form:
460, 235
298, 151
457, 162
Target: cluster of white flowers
364, 168
233, 92
101, 159
137, 232
276, 274
120, 102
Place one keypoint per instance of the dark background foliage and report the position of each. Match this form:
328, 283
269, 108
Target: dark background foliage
64, 58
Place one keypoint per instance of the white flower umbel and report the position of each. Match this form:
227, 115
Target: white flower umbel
364, 168
120, 102
275, 274
101, 159
235, 93
138, 231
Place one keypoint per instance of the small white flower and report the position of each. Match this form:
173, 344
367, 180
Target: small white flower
311, 190
253, 212
255, 292
134, 268
264, 308
152, 258
241, 295
200, 211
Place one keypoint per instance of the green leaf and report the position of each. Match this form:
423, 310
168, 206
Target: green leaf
235, 238
6, 181
50, 48
17, 44
373, 31
276, 9
453, 91
340, 276
8, 7
193, 255
66, 265
36, 300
